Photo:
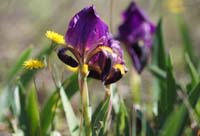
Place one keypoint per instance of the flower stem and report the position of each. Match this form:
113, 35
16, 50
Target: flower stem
85, 103
136, 87
108, 94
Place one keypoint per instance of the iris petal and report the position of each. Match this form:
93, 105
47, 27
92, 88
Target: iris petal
113, 77
100, 65
85, 30
94, 74
139, 55
136, 26
66, 58
107, 65
118, 70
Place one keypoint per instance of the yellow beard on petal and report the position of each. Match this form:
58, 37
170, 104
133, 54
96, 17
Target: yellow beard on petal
106, 48
72, 69
120, 67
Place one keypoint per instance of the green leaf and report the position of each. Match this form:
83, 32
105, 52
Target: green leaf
167, 97
115, 99
159, 61
159, 55
122, 125
161, 75
32, 112
157, 72
5, 101
23, 121
164, 85
187, 42
192, 70
175, 122
16, 105
170, 94
194, 95
69, 113
178, 119
48, 112
70, 85
19, 64
99, 116
141, 120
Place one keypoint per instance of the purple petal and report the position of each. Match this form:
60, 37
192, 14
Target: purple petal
114, 76
139, 55
118, 52
66, 58
136, 26
106, 61
85, 30
100, 66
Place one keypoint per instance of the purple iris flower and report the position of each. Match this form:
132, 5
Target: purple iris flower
137, 32
89, 40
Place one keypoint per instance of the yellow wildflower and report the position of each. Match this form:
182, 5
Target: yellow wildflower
175, 6
33, 64
55, 37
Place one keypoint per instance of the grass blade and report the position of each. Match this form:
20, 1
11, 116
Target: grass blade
187, 42
192, 70
178, 119
32, 112
70, 85
99, 116
159, 55
69, 113
157, 72
19, 64
122, 126
49, 108
48, 112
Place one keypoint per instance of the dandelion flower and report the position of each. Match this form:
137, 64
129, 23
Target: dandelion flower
55, 37
33, 64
